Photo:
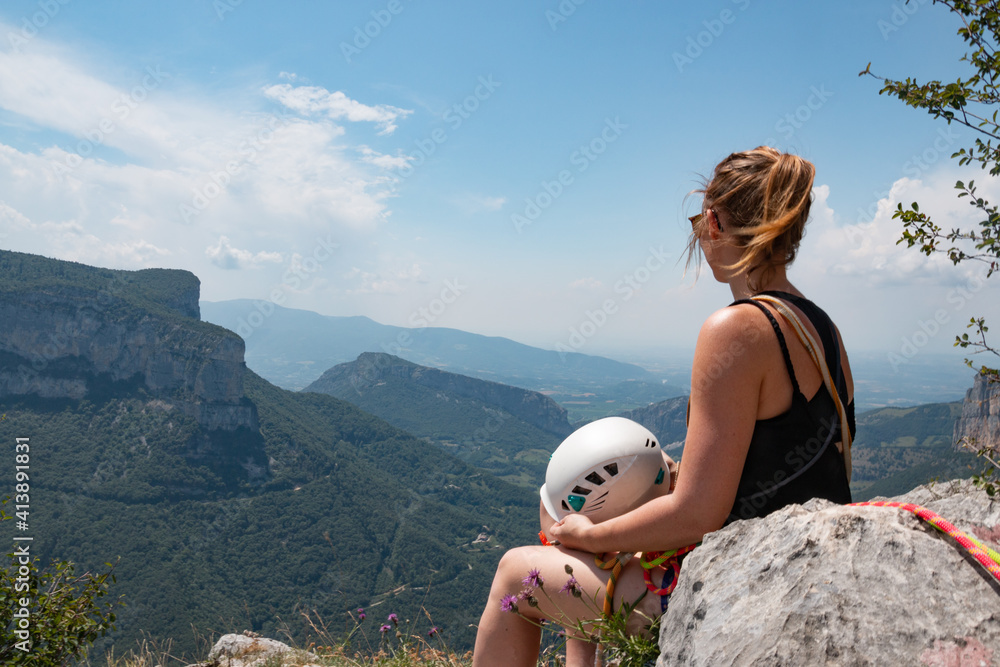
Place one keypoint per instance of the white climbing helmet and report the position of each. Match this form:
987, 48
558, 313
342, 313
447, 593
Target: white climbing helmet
603, 469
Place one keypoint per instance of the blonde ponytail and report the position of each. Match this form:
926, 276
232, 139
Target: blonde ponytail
764, 196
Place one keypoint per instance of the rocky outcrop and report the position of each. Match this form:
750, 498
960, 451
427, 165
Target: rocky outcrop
371, 368
823, 584
667, 419
71, 331
980, 421
251, 650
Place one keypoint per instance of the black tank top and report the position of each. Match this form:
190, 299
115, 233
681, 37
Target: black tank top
794, 457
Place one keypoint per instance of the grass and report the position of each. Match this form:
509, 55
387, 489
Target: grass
395, 642
396, 647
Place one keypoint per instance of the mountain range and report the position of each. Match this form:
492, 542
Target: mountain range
236, 504
232, 503
292, 348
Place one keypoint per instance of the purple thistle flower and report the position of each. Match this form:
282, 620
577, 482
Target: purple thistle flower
393, 619
534, 578
571, 585
385, 628
433, 631
509, 603
361, 613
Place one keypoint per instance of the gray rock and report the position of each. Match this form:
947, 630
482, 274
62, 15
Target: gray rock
62, 341
248, 650
823, 584
667, 419
980, 419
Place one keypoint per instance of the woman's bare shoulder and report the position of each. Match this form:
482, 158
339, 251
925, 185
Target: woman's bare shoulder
733, 345
740, 324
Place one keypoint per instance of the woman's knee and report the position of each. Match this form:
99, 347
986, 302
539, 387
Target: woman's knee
512, 568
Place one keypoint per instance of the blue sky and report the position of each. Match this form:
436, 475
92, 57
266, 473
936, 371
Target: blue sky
515, 169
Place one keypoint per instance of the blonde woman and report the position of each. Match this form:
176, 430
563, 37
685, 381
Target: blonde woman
763, 430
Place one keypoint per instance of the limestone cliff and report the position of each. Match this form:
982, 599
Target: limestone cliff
667, 419
71, 331
980, 419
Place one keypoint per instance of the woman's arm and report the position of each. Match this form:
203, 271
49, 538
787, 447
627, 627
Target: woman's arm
545, 521
730, 361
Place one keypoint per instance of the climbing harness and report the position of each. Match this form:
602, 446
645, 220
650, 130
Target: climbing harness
987, 557
668, 561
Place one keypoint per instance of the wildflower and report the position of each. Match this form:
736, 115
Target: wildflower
361, 613
393, 619
433, 631
385, 628
571, 585
534, 578
509, 603
526, 596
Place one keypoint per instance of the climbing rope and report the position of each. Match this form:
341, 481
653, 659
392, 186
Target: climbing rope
615, 564
987, 557
670, 562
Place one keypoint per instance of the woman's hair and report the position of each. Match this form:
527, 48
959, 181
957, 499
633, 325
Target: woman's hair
764, 196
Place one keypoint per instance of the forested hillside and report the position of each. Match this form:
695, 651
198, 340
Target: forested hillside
507, 431
899, 448
346, 511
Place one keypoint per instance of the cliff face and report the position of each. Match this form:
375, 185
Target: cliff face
70, 331
666, 419
980, 419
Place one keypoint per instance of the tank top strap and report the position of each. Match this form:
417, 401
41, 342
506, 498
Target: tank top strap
781, 339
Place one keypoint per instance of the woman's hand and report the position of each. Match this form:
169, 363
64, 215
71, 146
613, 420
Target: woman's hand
572, 532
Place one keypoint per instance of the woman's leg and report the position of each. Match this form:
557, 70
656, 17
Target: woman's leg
507, 638
580, 653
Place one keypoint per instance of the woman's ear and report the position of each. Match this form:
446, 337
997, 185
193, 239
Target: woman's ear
714, 225
714, 228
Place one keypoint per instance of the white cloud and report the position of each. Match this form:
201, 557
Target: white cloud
383, 161
389, 280
868, 250
138, 171
310, 100
225, 256
472, 203
590, 284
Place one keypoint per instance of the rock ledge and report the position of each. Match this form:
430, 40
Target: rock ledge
823, 584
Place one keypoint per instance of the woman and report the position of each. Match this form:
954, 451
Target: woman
755, 442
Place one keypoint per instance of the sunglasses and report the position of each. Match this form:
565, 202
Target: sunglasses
695, 219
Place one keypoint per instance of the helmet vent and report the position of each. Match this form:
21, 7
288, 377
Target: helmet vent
597, 503
594, 478
582, 491
565, 506
650, 443
612, 469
